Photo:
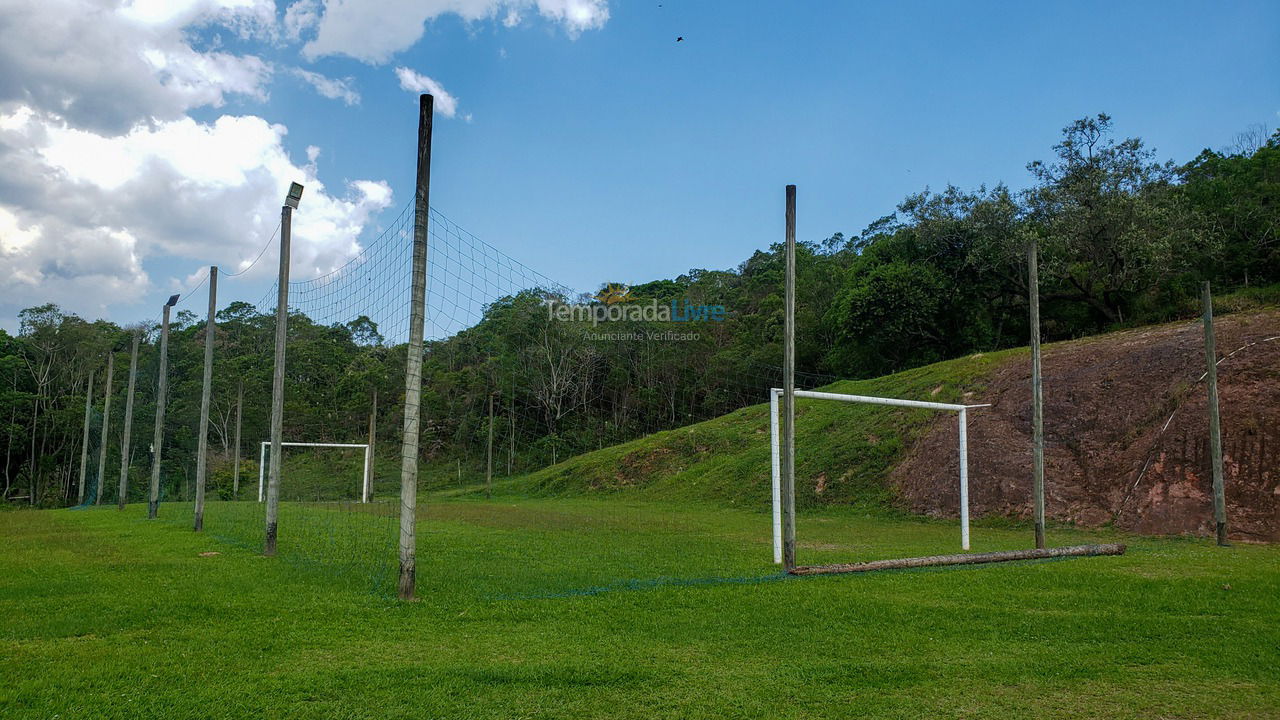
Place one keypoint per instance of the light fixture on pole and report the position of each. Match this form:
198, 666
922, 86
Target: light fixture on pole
295, 194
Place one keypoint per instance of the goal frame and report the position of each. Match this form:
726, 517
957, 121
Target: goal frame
776, 450
366, 488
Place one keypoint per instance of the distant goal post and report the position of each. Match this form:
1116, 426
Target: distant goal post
366, 477
776, 450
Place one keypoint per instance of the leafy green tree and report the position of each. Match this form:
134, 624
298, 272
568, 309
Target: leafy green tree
1239, 195
1109, 221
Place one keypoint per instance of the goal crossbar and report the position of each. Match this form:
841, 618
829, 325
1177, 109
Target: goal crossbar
365, 478
776, 452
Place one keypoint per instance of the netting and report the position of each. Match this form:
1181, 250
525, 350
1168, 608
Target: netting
555, 423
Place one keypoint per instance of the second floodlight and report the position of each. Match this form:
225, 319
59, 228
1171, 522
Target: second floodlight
295, 194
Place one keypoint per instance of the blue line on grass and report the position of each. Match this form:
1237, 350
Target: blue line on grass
647, 584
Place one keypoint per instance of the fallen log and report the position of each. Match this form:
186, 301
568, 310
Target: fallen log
964, 559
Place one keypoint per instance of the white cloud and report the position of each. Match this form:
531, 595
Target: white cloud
83, 210
108, 68
87, 268
248, 18
332, 88
302, 17
103, 175
374, 30
445, 103
575, 15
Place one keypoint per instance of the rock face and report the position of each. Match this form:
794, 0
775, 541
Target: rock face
1126, 434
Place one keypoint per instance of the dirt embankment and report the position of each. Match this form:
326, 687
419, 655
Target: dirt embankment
1126, 434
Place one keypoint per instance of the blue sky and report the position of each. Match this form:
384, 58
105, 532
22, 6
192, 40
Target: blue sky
594, 147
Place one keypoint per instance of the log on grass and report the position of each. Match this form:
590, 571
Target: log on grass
964, 559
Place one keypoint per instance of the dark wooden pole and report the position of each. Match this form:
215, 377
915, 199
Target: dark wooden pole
413, 364
126, 439
1037, 396
84, 440
162, 392
206, 394
235, 467
789, 391
488, 468
1215, 422
106, 421
277, 383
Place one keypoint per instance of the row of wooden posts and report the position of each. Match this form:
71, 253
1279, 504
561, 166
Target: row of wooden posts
413, 385
409, 446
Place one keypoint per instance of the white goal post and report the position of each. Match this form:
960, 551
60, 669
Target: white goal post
776, 451
365, 479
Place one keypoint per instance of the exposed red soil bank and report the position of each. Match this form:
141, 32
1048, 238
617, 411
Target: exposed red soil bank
1126, 434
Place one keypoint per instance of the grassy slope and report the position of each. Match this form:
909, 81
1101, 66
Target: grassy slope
846, 450
105, 615
727, 459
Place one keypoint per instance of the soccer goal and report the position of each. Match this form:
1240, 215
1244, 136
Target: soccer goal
366, 478
775, 395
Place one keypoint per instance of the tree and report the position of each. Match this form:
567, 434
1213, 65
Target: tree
1109, 223
1239, 197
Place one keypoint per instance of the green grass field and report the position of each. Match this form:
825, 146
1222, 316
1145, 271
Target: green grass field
590, 607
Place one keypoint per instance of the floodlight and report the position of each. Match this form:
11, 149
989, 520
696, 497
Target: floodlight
173, 300
295, 194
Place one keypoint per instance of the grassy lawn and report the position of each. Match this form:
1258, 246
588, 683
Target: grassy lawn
587, 607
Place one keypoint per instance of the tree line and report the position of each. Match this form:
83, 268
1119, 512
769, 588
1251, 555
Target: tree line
1123, 238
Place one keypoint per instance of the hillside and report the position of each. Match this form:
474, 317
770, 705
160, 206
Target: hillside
1125, 423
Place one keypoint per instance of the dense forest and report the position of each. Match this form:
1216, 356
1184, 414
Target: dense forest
1124, 239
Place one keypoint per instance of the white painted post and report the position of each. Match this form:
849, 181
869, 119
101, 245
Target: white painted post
776, 473
962, 410
788, 423
364, 492
964, 479
366, 488
262, 460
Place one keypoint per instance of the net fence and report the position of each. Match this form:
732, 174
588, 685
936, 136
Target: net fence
555, 423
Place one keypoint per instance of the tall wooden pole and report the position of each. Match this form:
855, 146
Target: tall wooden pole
106, 421
277, 382
1037, 395
126, 439
162, 391
84, 439
789, 393
1215, 422
206, 391
488, 469
413, 364
235, 466
373, 443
